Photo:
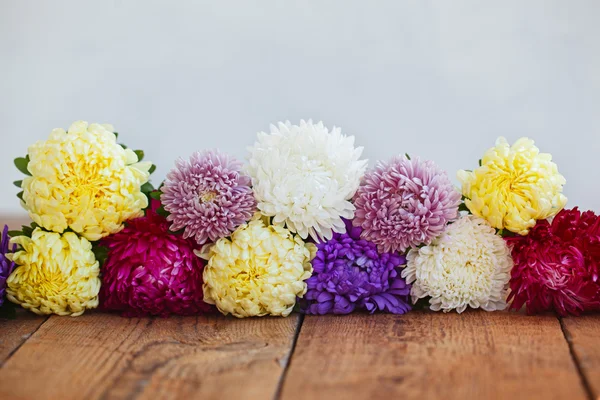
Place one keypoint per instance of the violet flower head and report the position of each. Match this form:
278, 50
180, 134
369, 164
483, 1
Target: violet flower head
349, 274
405, 203
6, 266
208, 196
151, 271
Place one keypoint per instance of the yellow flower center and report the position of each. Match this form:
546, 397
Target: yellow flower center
208, 196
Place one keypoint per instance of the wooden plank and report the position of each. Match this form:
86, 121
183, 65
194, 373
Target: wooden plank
583, 333
432, 355
104, 356
14, 332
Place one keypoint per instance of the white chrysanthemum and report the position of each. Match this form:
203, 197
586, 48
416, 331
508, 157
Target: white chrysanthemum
304, 176
467, 265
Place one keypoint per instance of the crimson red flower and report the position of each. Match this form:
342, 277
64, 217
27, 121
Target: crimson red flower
557, 266
151, 271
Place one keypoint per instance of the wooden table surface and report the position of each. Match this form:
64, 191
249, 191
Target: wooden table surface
420, 355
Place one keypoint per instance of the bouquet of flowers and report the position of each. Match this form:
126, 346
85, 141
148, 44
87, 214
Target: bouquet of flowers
302, 225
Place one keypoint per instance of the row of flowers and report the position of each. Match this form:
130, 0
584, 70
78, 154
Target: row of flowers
303, 225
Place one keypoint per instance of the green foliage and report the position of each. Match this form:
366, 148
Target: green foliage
21, 164
162, 212
147, 188
18, 183
152, 169
25, 230
463, 207
100, 252
139, 154
407, 156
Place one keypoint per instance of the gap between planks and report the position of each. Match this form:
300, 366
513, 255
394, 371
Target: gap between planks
477, 354
104, 356
433, 355
583, 336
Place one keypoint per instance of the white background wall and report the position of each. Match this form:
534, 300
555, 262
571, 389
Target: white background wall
440, 79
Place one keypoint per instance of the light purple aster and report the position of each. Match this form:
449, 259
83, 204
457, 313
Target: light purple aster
207, 196
349, 274
6, 266
405, 203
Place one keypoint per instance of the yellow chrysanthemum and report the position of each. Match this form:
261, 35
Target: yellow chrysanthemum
259, 271
83, 180
514, 186
55, 274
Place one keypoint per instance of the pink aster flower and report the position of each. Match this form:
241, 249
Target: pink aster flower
404, 203
150, 271
208, 196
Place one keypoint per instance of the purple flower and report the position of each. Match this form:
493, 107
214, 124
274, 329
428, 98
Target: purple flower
208, 197
405, 203
349, 274
6, 266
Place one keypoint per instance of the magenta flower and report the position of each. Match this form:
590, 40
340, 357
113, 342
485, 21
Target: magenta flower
557, 265
150, 271
208, 196
404, 203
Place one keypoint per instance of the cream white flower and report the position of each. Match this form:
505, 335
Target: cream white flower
467, 265
304, 176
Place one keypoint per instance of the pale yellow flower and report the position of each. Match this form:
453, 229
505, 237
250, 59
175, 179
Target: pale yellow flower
55, 274
259, 271
83, 180
514, 186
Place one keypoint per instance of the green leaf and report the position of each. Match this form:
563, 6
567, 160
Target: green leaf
18, 183
147, 188
139, 154
21, 164
480, 162
15, 233
20, 195
407, 156
122, 145
116, 135
155, 194
463, 207
162, 212
152, 169
101, 254
27, 230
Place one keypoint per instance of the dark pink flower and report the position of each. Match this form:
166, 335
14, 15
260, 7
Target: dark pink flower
557, 265
150, 271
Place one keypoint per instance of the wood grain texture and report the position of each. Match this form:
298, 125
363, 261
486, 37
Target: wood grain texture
583, 333
103, 356
475, 355
14, 332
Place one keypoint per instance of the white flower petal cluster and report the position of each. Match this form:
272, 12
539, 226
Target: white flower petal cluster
304, 177
467, 265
